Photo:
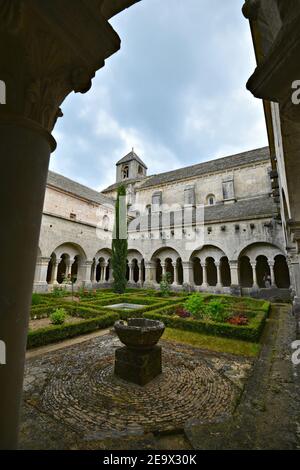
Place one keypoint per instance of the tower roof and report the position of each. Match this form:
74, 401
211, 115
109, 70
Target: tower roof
131, 156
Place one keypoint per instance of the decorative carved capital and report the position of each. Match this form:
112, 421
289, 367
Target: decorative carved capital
48, 49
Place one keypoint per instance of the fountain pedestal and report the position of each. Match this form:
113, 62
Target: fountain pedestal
139, 367
139, 361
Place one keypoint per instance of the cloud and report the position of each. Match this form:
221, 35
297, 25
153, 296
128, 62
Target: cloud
175, 92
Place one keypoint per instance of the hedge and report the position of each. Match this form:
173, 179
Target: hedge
251, 332
55, 333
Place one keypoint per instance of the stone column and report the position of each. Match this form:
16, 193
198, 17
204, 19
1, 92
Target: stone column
149, 274
175, 282
204, 268
47, 51
255, 283
164, 269
219, 275
44, 263
103, 267
140, 280
234, 273
131, 272
188, 273
54, 273
272, 273
84, 274
235, 288
69, 264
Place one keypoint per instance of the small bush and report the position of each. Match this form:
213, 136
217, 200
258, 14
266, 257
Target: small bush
165, 285
58, 317
37, 299
215, 311
58, 292
195, 306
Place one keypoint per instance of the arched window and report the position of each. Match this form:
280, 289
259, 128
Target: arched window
140, 170
125, 172
2, 92
105, 223
211, 200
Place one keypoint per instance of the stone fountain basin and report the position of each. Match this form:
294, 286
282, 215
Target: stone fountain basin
139, 333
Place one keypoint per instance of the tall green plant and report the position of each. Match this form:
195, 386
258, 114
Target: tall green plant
119, 247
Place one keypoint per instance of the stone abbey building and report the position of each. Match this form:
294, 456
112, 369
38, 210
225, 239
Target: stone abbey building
214, 226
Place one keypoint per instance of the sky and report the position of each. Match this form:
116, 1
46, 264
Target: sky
175, 92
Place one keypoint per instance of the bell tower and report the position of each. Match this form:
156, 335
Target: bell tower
130, 167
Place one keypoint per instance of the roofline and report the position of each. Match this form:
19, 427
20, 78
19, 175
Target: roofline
73, 193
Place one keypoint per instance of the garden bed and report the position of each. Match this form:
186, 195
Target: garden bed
90, 311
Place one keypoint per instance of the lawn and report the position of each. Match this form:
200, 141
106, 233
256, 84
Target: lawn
212, 343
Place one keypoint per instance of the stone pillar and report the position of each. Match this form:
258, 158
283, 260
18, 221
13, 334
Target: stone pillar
234, 273
219, 275
204, 269
235, 288
175, 282
44, 263
164, 269
131, 272
85, 274
54, 272
188, 273
149, 274
47, 51
140, 280
255, 283
272, 273
103, 267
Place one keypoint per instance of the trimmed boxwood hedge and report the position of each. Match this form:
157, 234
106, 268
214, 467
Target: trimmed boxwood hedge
55, 333
251, 332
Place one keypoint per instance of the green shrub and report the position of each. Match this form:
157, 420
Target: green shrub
58, 291
195, 305
165, 285
58, 317
119, 248
215, 311
55, 333
37, 299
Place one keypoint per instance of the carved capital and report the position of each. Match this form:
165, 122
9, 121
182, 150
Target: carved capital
48, 49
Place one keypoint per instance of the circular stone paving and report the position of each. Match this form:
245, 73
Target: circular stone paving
83, 393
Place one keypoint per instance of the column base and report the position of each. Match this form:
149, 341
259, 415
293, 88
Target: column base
87, 284
41, 287
235, 290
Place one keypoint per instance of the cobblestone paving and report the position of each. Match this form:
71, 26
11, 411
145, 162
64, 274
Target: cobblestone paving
77, 389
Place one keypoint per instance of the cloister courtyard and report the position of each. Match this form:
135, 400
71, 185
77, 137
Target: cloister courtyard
226, 373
